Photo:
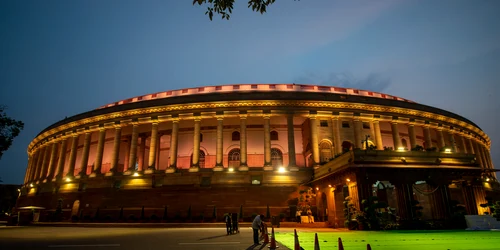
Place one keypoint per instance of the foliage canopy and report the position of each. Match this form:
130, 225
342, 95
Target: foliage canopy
225, 7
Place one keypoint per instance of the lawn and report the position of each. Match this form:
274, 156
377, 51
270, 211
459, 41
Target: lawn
397, 240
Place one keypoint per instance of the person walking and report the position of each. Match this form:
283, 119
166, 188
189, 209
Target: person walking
227, 219
235, 223
309, 216
297, 215
256, 226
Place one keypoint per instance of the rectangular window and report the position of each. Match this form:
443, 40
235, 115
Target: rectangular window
289, 86
345, 124
366, 125
323, 123
236, 86
272, 86
169, 92
218, 87
201, 89
254, 86
184, 91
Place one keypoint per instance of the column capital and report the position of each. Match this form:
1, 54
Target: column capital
175, 119
267, 116
243, 116
197, 118
219, 117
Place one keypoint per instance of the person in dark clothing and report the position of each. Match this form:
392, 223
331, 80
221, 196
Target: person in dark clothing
256, 226
228, 221
234, 218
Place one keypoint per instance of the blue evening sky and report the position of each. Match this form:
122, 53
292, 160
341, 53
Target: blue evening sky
60, 58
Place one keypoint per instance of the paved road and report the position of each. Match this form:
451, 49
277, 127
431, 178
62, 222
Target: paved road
75, 238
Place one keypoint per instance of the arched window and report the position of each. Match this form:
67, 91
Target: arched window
404, 144
201, 159
276, 157
233, 157
346, 146
274, 135
325, 149
235, 136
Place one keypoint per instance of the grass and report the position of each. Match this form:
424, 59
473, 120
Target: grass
397, 240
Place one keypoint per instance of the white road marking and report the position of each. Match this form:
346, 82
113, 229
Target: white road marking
210, 243
94, 245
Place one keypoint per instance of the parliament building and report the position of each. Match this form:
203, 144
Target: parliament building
248, 147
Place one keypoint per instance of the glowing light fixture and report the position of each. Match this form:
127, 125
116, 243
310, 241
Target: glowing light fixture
31, 185
401, 149
329, 185
135, 174
487, 179
348, 180
281, 170
447, 150
230, 169
317, 188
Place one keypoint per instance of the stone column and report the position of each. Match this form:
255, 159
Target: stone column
133, 148
72, 156
413, 137
219, 144
142, 153
195, 164
439, 200
378, 135
52, 161
485, 157
62, 159
292, 163
39, 164
479, 157
33, 165
336, 135
173, 147
45, 163
404, 193
469, 199
85, 154
395, 135
313, 122
358, 137
158, 150
441, 142
100, 150
462, 144
471, 145
126, 160
243, 143
153, 147
452, 142
427, 137
115, 155
268, 166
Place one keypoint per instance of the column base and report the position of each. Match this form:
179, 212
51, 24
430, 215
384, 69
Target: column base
268, 168
243, 168
94, 174
149, 171
170, 170
293, 168
218, 169
109, 174
194, 169
128, 172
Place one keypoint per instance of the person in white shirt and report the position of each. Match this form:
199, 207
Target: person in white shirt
256, 226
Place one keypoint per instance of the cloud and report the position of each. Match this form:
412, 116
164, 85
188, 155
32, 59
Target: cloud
373, 82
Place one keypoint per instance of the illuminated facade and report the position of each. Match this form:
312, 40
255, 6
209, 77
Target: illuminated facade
253, 146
